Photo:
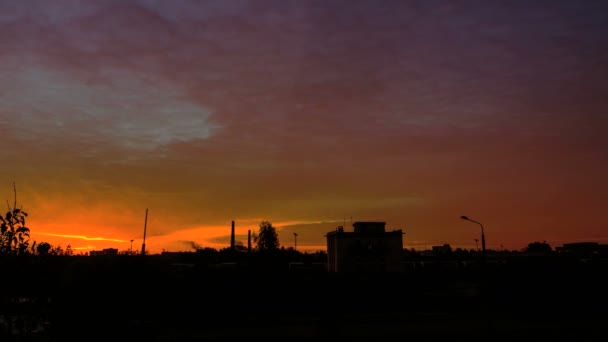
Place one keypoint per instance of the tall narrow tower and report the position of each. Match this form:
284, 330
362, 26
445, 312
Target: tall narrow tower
232, 237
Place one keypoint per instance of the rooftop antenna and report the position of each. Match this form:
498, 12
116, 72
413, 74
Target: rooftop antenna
143, 245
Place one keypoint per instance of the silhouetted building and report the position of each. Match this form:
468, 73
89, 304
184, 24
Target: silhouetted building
106, 252
442, 250
368, 248
583, 249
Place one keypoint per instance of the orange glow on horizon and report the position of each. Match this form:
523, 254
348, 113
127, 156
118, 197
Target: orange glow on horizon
81, 237
187, 239
334, 131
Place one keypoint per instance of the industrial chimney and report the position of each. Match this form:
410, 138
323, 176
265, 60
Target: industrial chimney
232, 237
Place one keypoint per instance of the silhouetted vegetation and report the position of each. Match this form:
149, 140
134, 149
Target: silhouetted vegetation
539, 248
14, 235
43, 248
266, 239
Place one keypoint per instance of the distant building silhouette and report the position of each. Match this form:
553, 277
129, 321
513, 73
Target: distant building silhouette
107, 251
368, 248
442, 250
583, 249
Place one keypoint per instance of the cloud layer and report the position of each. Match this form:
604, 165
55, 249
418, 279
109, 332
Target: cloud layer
409, 112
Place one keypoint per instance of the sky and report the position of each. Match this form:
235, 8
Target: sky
307, 114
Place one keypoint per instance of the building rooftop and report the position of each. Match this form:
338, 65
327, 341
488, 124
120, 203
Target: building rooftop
369, 227
366, 229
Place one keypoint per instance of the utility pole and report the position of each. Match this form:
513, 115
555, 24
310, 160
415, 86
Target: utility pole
143, 245
249, 242
295, 243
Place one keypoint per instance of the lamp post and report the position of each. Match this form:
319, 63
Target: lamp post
131, 248
295, 242
484, 283
483, 238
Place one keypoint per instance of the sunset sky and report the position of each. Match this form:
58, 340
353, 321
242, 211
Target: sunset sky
305, 114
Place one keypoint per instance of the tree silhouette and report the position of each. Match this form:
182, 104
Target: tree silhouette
43, 248
266, 239
539, 248
14, 235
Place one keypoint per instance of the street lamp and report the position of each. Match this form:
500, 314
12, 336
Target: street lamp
483, 238
295, 243
131, 248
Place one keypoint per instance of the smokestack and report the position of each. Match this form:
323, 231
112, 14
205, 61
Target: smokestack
249, 241
232, 237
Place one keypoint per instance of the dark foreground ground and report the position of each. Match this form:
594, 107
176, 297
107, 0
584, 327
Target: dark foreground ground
120, 299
